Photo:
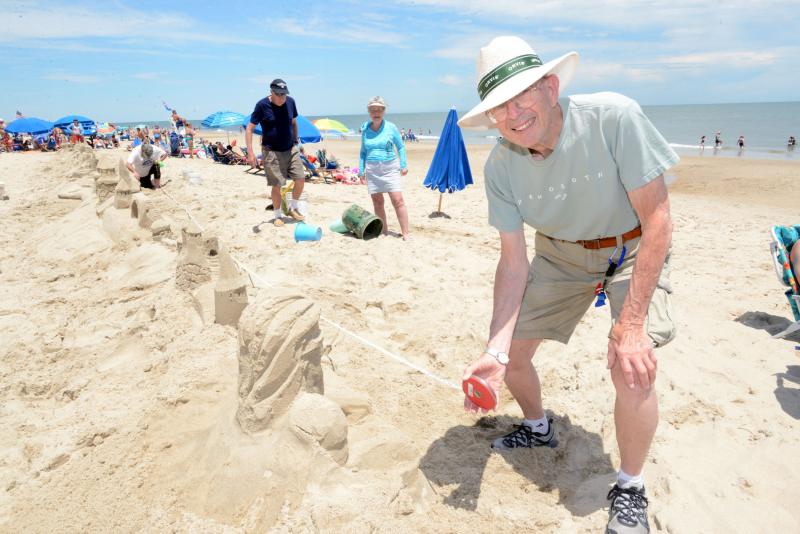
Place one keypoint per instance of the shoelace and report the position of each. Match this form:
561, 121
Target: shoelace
629, 503
523, 436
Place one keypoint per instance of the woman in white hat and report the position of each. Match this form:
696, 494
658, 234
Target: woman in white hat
383, 162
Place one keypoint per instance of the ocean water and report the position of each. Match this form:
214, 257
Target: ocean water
765, 126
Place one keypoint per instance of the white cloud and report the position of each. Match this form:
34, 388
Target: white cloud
597, 72
343, 31
72, 78
741, 59
610, 13
264, 79
450, 79
28, 22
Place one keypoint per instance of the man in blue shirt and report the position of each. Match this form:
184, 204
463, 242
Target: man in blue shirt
277, 115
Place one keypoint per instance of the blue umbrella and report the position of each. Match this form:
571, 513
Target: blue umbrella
221, 119
30, 125
305, 129
89, 127
449, 170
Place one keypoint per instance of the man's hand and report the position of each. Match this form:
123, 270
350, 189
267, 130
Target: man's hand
403, 172
631, 348
488, 368
156, 184
251, 158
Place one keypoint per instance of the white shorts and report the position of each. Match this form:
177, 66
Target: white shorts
383, 176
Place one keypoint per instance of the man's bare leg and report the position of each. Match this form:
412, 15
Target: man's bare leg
636, 418
522, 379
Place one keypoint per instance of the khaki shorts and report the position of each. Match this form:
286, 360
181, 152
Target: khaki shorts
561, 285
282, 166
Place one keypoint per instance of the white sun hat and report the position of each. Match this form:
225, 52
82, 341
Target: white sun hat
506, 67
376, 101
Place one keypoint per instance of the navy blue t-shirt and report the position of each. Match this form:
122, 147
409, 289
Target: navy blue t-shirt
276, 123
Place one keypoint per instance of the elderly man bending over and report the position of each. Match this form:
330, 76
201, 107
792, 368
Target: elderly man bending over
586, 172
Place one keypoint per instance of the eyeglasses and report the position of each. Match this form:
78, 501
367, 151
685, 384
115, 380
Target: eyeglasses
523, 100
375, 109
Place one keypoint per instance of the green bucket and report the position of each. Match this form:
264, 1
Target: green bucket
362, 223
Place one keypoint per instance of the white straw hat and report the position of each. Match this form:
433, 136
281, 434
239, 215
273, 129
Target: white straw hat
506, 67
376, 101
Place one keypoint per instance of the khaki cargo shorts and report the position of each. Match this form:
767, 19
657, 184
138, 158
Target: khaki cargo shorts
282, 166
561, 284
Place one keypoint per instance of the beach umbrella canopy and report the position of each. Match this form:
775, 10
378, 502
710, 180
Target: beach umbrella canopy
30, 125
449, 170
220, 119
86, 122
105, 128
331, 125
305, 129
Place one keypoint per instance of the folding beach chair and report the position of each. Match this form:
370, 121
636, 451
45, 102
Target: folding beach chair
784, 238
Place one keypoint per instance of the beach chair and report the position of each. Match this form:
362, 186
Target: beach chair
784, 238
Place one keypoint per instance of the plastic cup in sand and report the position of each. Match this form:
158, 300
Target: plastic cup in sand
306, 232
479, 392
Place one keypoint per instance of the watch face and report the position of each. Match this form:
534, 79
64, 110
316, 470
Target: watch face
502, 357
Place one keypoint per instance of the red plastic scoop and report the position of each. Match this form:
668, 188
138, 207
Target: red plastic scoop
479, 392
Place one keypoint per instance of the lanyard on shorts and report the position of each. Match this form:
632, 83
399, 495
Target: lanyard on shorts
600, 290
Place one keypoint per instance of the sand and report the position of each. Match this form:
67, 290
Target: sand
125, 407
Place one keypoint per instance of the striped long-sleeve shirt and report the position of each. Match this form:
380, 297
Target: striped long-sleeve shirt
381, 145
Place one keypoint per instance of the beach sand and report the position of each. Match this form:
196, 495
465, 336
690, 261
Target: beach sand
120, 395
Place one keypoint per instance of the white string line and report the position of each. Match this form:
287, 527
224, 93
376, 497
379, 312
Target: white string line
252, 274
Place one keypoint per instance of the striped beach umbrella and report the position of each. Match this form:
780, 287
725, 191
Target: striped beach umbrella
330, 125
221, 119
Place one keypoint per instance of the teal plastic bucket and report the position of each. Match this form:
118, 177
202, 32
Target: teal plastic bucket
306, 232
362, 223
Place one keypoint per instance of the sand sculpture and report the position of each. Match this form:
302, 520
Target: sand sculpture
143, 211
193, 269
126, 187
280, 346
319, 421
230, 293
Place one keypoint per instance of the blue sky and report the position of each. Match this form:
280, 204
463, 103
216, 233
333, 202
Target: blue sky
116, 61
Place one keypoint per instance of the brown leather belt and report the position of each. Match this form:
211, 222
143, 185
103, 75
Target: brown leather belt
604, 242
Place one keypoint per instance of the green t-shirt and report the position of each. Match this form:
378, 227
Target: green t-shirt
606, 149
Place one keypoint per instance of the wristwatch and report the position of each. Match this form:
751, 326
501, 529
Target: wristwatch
501, 357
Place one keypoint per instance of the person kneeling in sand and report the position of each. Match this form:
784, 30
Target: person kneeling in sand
603, 229
143, 163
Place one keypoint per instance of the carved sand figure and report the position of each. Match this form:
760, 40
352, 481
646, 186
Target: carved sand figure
280, 346
126, 187
230, 293
192, 269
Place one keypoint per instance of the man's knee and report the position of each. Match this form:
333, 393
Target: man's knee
521, 352
377, 199
625, 394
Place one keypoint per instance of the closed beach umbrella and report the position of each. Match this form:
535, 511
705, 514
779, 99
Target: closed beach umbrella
449, 170
305, 129
88, 124
330, 125
221, 119
30, 125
